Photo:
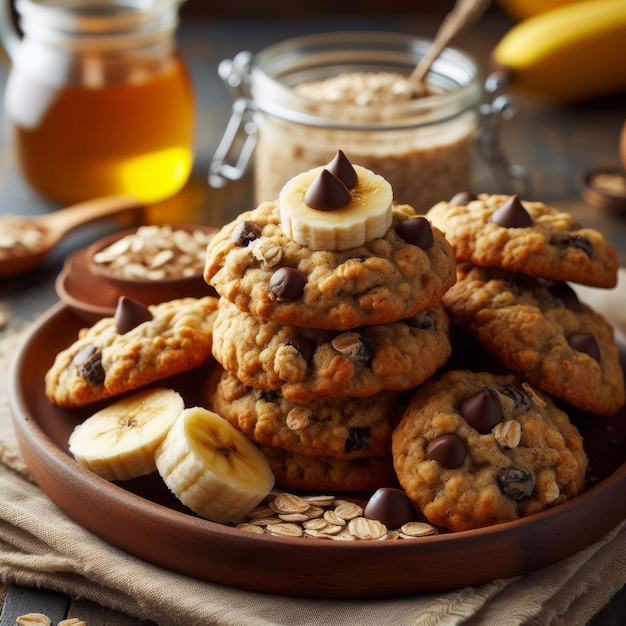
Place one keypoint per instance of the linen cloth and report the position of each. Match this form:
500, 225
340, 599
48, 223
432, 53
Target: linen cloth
41, 546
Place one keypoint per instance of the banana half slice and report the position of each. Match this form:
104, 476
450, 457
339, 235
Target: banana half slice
212, 467
364, 212
119, 442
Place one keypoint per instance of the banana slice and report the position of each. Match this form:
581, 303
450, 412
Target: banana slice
364, 213
213, 468
119, 442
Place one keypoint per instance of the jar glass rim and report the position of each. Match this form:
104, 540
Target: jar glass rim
276, 69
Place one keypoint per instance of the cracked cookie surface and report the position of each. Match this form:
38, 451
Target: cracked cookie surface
308, 364
548, 243
103, 363
384, 280
474, 449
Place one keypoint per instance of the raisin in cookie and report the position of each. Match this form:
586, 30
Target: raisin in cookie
113, 356
543, 333
342, 428
253, 264
308, 364
527, 237
475, 449
326, 475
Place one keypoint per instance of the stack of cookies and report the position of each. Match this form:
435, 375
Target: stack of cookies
330, 311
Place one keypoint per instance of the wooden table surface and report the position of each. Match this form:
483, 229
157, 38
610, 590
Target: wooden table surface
555, 145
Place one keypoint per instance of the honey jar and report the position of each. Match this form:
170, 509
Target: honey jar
99, 99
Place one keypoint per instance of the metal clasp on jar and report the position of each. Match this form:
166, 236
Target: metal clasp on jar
498, 108
232, 156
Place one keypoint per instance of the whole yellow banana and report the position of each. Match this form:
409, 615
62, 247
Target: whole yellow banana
568, 54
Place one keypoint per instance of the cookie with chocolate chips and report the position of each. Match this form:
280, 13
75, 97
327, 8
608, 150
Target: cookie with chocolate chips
527, 237
306, 364
542, 332
475, 449
254, 265
341, 428
137, 346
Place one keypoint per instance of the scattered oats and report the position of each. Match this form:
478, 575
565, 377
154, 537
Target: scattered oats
534, 395
549, 493
261, 511
285, 529
33, 619
332, 529
410, 530
293, 517
364, 528
508, 433
299, 417
316, 523
18, 236
265, 521
288, 503
268, 253
314, 511
251, 528
348, 510
319, 500
332, 518
72, 621
315, 534
343, 535
392, 535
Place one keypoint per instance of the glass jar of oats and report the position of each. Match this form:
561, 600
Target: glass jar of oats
299, 101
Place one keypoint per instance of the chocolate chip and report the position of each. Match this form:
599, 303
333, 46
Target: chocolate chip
448, 450
585, 342
287, 283
520, 398
358, 438
341, 167
416, 231
269, 395
304, 346
516, 483
327, 193
392, 507
463, 198
91, 369
482, 410
245, 232
566, 296
354, 346
83, 355
578, 242
511, 214
423, 320
129, 314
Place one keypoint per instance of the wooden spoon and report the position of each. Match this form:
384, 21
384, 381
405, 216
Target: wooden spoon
54, 226
463, 13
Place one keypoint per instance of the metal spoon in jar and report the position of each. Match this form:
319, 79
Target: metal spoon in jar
463, 13
34, 237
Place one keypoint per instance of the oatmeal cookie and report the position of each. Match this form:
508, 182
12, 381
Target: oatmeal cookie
326, 475
308, 364
527, 237
543, 333
341, 428
254, 265
476, 449
108, 359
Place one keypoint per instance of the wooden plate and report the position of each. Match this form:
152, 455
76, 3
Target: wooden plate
144, 519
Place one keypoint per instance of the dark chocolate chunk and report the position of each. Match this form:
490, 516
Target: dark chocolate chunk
566, 295
91, 369
578, 242
304, 345
423, 320
585, 342
463, 198
287, 283
269, 395
129, 314
416, 231
245, 232
516, 483
520, 398
83, 355
358, 438
392, 507
327, 193
511, 214
341, 167
448, 450
482, 410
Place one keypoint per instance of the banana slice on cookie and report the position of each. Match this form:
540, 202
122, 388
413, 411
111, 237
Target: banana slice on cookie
119, 441
212, 467
336, 207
